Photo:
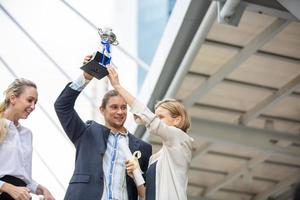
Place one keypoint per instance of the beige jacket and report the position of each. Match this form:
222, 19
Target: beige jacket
173, 159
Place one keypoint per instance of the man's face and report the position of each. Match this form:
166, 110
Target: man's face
115, 112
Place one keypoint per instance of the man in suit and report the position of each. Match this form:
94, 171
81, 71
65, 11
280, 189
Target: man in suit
100, 172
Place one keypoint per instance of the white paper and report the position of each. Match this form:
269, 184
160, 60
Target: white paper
37, 197
138, 178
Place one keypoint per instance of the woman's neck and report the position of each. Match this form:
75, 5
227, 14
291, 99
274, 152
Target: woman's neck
8, 114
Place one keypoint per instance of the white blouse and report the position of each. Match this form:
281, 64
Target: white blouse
173, 160
16, 154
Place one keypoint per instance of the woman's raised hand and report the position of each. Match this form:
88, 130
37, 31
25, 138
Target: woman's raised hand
113, 76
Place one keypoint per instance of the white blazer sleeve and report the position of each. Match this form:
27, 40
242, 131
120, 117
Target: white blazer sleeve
143, 115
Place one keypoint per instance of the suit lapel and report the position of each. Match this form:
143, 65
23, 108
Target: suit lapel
106, 134
103, 138
134, 145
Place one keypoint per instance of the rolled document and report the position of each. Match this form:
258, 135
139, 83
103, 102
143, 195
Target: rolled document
138, 178
37, 197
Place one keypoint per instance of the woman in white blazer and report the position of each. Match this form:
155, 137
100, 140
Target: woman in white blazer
166, 177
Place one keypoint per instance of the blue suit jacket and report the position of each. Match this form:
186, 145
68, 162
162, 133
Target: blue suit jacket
90, 141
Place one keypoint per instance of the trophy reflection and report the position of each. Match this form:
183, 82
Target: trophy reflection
97, 65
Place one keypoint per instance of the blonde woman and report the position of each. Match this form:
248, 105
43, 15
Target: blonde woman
166, 177
16, 143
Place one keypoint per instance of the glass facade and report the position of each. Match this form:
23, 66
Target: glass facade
153, 16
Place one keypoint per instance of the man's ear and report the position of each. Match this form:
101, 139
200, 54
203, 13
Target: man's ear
101, 109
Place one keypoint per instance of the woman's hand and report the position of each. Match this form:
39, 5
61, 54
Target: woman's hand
87, 76
113, 76
18, 193
114, 81
41, 190
47, 195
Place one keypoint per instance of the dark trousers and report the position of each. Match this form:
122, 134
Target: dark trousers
14, 181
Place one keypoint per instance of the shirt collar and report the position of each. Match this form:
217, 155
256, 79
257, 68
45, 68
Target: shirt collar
120, 133
11, 123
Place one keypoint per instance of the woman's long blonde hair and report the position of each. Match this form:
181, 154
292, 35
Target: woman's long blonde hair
16, 88
176, 108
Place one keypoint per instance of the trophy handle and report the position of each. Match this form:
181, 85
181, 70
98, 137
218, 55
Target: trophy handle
100, 32
115, 43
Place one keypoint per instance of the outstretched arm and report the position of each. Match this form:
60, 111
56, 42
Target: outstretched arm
64, 106
143, 114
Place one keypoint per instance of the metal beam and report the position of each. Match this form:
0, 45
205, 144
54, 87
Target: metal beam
261, 53
211, 171
271, 101
254, 44
229, 8
262, 116
230, 12
192, 51
242, 136
201, 150
280, 187
224, 173
243, 83
269, 7
292, 6
234, 191
236, 173
288, 195
200, 198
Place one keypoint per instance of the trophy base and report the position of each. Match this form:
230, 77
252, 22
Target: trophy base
95, 67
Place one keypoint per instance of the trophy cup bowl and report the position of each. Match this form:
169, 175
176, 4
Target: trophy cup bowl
108, 35
97, 65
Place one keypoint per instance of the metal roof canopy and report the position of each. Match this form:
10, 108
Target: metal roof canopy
241, 86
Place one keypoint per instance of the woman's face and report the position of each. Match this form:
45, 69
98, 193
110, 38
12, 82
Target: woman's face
25, 103
165, 115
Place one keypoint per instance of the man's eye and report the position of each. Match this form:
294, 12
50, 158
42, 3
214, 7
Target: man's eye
114, 107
